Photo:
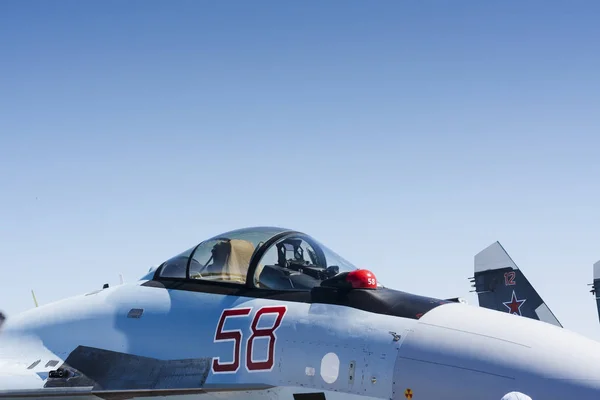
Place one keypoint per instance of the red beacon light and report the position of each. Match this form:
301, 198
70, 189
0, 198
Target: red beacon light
362, 279
356, 279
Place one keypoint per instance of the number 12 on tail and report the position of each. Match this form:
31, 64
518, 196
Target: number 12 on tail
509, 278
236, 336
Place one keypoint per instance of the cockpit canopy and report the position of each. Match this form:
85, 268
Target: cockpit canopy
263, 257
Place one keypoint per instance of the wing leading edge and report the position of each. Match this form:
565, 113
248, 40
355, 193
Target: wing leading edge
502, 286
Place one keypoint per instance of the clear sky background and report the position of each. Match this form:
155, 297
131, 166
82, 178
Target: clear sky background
407, 136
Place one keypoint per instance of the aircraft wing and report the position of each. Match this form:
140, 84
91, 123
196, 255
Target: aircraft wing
502, 286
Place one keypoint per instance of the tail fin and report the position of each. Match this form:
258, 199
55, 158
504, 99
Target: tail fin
596, 285
502, 286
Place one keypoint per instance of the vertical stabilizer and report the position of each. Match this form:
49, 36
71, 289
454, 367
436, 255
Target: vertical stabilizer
502, 286
596, 286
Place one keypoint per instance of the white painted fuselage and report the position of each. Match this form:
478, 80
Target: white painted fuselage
342, 352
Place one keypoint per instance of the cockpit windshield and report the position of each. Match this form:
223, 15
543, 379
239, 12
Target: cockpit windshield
297, 262
276, 258
224, 257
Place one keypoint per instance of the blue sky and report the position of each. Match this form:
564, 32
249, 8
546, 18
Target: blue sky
406, 136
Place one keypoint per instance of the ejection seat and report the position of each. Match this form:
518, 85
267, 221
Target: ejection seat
230, 261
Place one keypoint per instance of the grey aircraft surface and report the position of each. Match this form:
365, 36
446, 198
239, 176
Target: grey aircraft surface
596, 286
500, 285
271, 313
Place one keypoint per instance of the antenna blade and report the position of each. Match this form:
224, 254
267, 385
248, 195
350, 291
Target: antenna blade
34, 299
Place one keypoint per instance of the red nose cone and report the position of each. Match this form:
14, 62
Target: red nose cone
362, 279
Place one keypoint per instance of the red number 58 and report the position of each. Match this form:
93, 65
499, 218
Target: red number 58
235, 336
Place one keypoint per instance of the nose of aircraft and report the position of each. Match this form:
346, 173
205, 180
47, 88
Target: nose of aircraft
478, 353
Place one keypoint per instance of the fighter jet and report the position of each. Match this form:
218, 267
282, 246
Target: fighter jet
502, 286
272, 313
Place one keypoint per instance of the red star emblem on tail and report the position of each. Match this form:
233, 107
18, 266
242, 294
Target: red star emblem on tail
514, 305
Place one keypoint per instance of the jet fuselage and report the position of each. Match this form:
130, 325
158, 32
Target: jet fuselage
135, 337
